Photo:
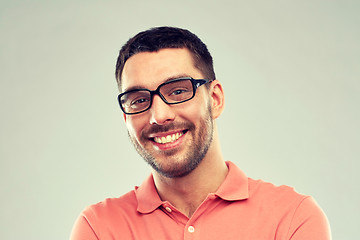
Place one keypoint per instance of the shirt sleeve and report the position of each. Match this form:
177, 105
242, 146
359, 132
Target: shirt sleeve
82, 230
309, 222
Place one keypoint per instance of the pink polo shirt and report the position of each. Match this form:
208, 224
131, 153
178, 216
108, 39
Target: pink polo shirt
242, 208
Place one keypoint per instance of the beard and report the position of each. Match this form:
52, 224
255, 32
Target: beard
179, 166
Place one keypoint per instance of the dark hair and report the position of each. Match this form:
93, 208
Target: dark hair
158, 38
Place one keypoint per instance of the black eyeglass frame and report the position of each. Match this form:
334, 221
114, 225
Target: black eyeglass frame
195, 83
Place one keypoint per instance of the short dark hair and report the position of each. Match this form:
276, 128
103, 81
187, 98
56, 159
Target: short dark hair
158, 38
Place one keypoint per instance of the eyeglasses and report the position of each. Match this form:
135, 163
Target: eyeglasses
172, 92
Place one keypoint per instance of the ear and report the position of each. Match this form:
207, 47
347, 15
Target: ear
124, 116
217, 98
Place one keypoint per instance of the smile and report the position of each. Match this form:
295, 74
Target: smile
169, 138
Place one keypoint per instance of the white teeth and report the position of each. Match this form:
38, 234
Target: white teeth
168, 138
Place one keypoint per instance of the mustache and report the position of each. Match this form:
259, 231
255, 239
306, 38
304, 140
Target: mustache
168, 127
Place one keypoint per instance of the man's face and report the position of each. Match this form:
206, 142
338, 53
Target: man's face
173, 139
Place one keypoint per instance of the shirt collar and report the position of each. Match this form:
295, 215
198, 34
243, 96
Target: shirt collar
234, 188
235, 185
147, 196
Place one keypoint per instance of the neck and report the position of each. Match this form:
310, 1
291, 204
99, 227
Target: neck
188, 192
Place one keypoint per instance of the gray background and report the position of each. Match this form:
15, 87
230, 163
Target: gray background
290, 71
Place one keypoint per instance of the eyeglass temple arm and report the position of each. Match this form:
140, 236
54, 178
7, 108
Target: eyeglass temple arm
199, 82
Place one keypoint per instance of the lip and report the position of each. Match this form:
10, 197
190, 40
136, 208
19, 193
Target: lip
163, 134
170, 145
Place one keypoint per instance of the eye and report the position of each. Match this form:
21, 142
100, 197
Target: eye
139, 101
178, 91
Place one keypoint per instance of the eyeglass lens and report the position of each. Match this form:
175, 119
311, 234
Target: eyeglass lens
171, 92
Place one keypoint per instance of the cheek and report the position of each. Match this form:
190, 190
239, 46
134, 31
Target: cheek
133, 127
195, 112
199, 109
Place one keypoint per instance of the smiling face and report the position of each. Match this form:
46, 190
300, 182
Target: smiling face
173, 139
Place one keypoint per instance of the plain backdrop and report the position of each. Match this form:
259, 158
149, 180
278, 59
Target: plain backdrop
290, 71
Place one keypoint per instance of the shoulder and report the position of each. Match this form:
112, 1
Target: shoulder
261, 190
276, 201
110, 207
104, 219
297, 215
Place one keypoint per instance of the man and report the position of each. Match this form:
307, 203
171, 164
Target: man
170, 99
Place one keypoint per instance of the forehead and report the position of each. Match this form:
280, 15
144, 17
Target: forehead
149, 69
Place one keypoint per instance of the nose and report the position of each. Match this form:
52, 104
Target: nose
161, 112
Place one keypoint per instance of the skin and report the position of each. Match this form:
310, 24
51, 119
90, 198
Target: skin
183, 186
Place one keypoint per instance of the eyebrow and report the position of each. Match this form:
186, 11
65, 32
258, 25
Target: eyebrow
139, 87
